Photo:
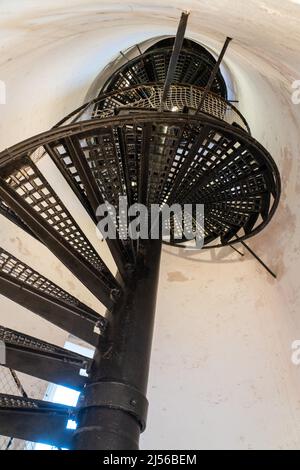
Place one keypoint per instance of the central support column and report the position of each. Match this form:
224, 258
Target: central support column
114, 405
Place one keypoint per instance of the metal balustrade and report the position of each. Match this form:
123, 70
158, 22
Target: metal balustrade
160, 133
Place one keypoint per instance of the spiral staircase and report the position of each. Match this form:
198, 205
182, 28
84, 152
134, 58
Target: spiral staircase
161, 131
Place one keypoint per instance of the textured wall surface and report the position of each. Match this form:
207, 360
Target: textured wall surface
221, 374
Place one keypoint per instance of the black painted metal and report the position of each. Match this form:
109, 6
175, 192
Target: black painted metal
35, 420
26, 192
183, 97
236, 250
43, 360
174, 57
229, 171
122, 359
10, 215
33, 291
81, 175
214, 73
161, 132
259, 260
194, 67
64, 163
95, 198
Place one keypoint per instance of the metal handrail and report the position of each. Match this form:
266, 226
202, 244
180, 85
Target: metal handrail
180, 98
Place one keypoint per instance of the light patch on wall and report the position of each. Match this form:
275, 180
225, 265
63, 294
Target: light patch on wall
177, 276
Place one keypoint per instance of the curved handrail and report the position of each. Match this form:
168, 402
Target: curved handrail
34, 147
149, 96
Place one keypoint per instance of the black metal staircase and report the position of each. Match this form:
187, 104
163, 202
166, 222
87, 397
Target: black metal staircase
160, 132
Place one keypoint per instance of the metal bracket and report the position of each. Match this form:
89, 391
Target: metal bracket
117, 396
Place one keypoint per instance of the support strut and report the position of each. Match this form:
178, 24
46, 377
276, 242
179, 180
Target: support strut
174, 57
214, 73
113, 406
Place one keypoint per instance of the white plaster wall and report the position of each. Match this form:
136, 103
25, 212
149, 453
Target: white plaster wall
221, 374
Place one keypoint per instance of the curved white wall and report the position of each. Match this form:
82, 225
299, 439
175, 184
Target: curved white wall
221, 374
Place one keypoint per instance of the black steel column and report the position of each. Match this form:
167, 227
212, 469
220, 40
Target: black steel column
114, 405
